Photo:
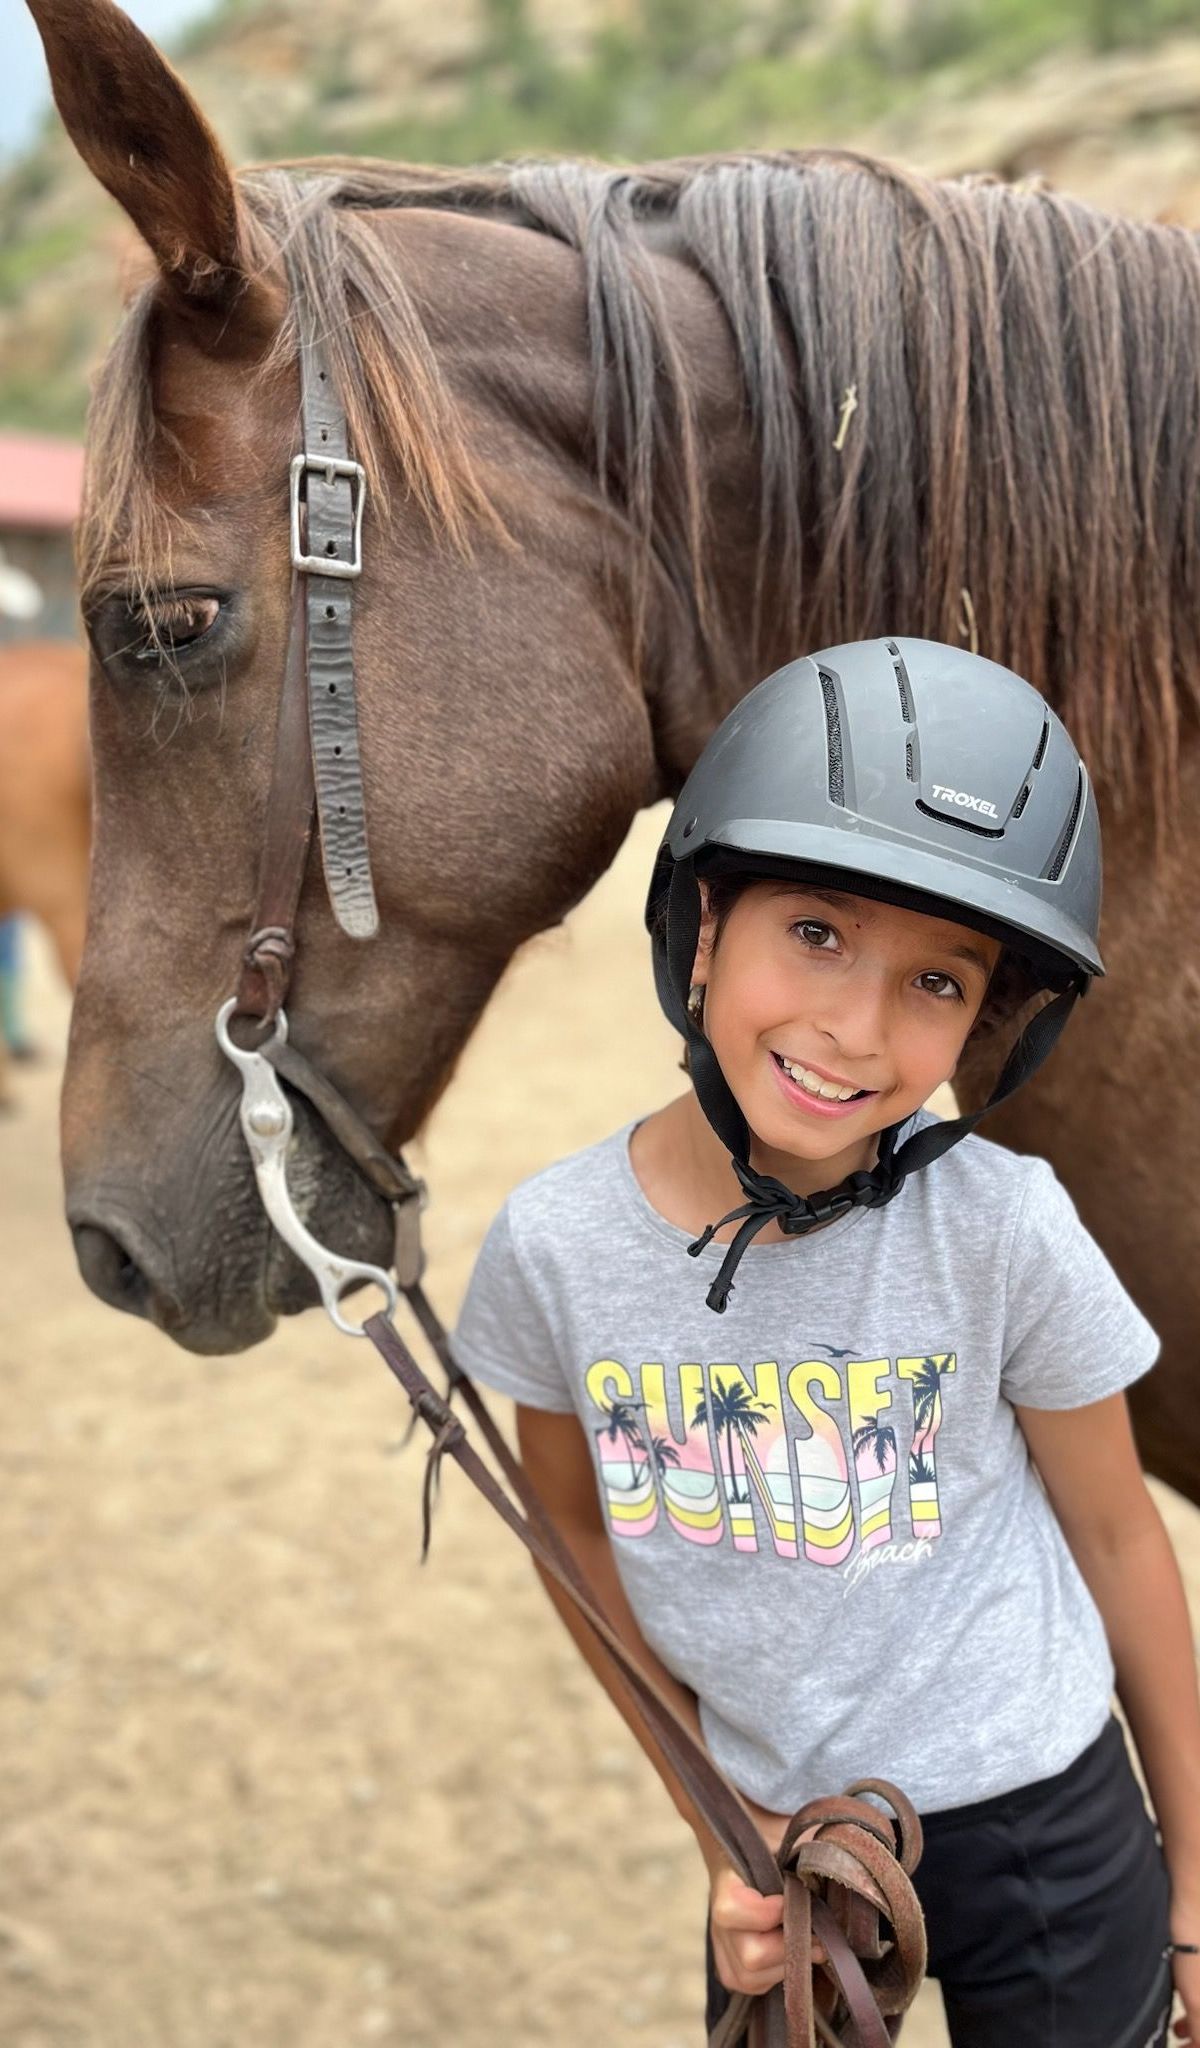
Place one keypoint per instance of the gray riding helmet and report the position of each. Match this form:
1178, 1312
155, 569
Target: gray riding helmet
913, 772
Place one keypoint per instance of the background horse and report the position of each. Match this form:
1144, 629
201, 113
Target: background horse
615, 475
45, 798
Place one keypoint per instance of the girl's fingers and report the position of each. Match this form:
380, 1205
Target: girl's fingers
754, 1962
737, 1975
755, 1986
738, 1906
755, 1953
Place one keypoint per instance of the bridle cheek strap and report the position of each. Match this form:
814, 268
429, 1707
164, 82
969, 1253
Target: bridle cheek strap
316, 761
330, 490
316, 771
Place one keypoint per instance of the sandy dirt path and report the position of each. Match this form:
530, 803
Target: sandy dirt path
264, 1783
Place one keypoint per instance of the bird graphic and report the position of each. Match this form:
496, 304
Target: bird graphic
833, 1350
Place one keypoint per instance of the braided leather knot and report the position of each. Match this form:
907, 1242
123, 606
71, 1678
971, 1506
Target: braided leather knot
270, 953
447, 1432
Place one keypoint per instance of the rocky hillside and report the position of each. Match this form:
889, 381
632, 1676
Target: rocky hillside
1019, 86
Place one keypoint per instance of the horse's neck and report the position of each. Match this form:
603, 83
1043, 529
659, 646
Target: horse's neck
711, 624
709, 661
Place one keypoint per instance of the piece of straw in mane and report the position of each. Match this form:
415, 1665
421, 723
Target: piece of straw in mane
1027, 375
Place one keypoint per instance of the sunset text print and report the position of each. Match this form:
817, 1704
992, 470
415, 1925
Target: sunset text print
810, 1455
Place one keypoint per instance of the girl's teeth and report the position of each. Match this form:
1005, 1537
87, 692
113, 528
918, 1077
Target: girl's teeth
812, 1084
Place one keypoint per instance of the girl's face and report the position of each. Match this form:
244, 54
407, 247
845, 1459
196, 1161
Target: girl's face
810, 993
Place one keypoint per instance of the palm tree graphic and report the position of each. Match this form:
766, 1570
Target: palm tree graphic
879, 1436
920, 1469
664, 1453
623, 1421
926, 1386
734, 1412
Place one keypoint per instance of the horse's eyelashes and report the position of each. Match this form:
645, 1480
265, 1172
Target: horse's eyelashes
173, 623
154, 634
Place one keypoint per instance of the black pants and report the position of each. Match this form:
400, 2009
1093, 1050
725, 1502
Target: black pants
1046, 1911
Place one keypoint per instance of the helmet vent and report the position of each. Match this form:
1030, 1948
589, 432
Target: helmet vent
1040, 755
1022, 800
833, 735
909, 762
962, 824
1063, 848
906, 708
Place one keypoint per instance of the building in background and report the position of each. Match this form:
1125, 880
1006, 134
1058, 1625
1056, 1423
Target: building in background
40, 483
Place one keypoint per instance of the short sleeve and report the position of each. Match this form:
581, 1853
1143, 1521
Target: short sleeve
503, 1336
1072, 1333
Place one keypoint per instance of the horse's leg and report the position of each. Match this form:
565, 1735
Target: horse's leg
1117, 1113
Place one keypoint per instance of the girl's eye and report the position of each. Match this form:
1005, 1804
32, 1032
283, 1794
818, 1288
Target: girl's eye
814, 933
949, 989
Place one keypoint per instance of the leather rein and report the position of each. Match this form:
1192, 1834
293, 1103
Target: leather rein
844, 1864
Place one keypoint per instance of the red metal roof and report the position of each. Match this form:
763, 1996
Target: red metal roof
40, 480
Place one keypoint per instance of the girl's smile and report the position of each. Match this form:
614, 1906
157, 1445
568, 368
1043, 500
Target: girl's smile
817, 1092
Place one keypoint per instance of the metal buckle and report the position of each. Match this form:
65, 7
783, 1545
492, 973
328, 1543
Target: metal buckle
329, 467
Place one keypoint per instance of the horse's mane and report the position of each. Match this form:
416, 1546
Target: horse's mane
1022, 467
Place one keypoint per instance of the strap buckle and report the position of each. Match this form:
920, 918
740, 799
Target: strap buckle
329, 467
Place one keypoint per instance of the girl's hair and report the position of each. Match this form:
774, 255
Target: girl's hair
1013, 983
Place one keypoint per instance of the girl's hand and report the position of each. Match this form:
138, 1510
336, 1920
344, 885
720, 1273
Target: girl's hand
747, 1926
747, 1932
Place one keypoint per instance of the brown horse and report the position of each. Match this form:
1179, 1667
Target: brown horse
616, 472
45, 796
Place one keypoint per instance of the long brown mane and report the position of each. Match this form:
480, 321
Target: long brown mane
1023, 464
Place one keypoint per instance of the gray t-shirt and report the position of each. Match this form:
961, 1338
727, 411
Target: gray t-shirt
821, 1503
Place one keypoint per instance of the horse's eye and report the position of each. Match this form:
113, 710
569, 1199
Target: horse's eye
164, 626
179, 642
163, 634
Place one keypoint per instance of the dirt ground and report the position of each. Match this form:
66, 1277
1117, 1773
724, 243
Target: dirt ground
264, 1782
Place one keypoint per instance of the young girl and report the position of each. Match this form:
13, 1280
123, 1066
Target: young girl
885, 1517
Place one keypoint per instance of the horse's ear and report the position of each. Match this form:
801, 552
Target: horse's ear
142, 135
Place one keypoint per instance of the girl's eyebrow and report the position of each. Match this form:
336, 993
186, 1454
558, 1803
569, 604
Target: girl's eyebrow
837, 901
970, 953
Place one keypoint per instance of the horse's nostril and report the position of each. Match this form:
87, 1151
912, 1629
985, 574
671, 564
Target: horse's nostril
109, 1271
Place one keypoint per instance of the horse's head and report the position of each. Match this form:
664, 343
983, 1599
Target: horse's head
505, 745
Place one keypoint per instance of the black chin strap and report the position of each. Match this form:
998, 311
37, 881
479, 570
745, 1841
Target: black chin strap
768, 1199
796, 1214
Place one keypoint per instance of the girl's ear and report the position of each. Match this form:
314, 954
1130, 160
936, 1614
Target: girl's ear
142, 135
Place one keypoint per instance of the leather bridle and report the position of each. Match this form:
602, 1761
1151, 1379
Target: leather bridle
844, 1865
317, 774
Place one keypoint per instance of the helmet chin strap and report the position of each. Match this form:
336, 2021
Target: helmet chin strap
767, 1199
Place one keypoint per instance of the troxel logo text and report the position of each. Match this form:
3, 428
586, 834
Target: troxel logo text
959, 796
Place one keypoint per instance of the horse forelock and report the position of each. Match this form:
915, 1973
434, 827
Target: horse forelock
974, 406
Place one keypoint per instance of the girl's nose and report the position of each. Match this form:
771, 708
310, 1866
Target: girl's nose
855, 1019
